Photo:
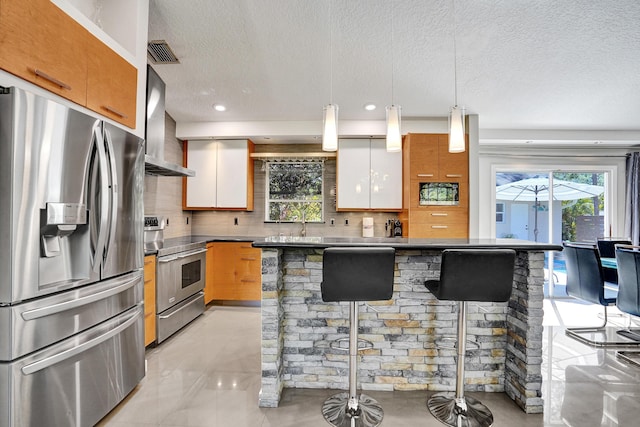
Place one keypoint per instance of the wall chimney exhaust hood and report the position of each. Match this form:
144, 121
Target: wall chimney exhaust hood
154, 162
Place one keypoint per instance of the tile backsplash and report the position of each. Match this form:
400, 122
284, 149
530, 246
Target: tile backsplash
163, 194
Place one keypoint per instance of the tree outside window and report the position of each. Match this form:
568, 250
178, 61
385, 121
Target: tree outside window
294, 191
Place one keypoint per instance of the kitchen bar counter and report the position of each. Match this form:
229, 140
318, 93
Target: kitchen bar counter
400, 243
297, 326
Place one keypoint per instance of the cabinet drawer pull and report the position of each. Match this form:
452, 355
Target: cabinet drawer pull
114, 111
454, 175
425, 175
248, 281
439, 226
53, 80
439, 214
248, 259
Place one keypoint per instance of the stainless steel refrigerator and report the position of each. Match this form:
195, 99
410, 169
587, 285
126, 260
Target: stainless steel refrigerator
71, 258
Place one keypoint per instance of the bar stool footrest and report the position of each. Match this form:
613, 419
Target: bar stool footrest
336, 411
446, 408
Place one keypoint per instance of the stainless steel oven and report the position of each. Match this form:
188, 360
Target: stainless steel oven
180, 277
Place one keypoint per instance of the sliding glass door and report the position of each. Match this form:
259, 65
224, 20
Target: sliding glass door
552, 207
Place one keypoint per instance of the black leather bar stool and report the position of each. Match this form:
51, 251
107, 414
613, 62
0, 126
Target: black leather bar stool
355, 274
483, 275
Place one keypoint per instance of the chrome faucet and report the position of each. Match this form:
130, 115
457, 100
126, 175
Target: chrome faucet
303, 231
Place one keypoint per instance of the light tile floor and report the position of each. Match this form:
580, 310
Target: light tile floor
209, 375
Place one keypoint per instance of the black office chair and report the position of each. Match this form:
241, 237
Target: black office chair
607, 249
484, 275
355, 274
628, 259
585, 281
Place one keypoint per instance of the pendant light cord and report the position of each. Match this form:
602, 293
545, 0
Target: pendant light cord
392, 67
455, 57
331, 52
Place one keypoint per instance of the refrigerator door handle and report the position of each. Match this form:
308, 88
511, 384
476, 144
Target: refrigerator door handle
74, 351
79, 302
104, 197
113, 193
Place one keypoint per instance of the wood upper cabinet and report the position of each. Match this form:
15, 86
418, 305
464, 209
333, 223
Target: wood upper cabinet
40, 43
149, 299
430, 162
429, 158
224, 175
368, 177
235, 272
111, 84
43, 45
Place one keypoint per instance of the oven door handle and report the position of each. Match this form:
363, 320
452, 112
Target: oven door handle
163, 260
187, 254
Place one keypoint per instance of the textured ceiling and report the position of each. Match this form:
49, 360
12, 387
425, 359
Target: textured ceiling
521, 64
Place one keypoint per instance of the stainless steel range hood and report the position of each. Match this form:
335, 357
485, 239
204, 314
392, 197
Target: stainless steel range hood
155, 164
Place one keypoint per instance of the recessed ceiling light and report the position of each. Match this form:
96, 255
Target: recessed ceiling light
219, 107
369, 106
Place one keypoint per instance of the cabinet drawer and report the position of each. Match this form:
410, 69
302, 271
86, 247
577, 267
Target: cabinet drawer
442, 216
451, 231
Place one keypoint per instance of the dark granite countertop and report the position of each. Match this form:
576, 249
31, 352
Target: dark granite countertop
152, 248
401, 243
395, 242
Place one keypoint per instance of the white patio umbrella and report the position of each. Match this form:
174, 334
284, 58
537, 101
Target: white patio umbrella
533, 189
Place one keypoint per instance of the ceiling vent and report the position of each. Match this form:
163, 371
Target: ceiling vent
160, 53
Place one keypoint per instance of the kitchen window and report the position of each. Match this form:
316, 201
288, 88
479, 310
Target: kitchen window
294, 191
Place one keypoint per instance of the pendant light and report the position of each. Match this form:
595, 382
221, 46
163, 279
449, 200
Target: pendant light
456, 114
330, 111
394, 137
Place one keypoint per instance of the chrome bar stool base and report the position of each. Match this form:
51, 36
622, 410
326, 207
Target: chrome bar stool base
464, 412
337, 412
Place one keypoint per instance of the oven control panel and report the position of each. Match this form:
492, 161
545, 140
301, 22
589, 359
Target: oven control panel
153, 223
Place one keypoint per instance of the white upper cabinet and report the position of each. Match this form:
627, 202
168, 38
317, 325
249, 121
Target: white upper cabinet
201, 189
224, 175
232, 174
368, 176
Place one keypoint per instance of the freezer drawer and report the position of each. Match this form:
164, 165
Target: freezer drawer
171, 320
30, 326
75, 382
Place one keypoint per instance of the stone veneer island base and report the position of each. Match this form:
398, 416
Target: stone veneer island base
411, 333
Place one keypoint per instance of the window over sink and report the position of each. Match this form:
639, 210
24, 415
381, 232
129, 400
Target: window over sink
294, 191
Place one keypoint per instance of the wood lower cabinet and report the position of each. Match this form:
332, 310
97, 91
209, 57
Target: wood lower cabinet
234, 272
149, 299
209, 279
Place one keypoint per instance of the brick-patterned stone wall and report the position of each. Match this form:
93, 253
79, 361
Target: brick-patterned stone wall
412, 334
272, 327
